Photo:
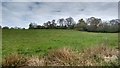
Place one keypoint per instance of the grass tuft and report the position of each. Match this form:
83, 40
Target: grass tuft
61, 57
14, 60
94, 56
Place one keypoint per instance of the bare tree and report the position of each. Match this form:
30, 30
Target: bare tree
70, 22
32, 25
53, 24
93, 23
81, 25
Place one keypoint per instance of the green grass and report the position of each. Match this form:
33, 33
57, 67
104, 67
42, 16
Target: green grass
39, 42
0, 46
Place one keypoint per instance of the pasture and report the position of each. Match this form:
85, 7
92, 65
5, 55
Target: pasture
40, 41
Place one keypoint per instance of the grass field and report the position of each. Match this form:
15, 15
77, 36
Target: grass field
40, 42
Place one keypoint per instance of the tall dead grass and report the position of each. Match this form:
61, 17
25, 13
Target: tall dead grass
96, 56
101, 55
14, 60
62, 57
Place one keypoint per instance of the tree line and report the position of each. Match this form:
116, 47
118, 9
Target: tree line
91, 24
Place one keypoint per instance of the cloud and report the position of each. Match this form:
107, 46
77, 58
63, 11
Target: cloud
22, 13
60, 0
0, 14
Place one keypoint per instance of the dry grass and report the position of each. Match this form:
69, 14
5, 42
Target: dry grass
61, 57
96, 56
14, 60
35, 61
101, 55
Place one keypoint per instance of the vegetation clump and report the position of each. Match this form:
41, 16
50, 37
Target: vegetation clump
96, 56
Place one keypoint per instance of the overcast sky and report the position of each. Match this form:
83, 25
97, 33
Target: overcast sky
60, 0
22, 13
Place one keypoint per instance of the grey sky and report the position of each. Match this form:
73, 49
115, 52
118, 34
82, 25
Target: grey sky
60, 0
22, 13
